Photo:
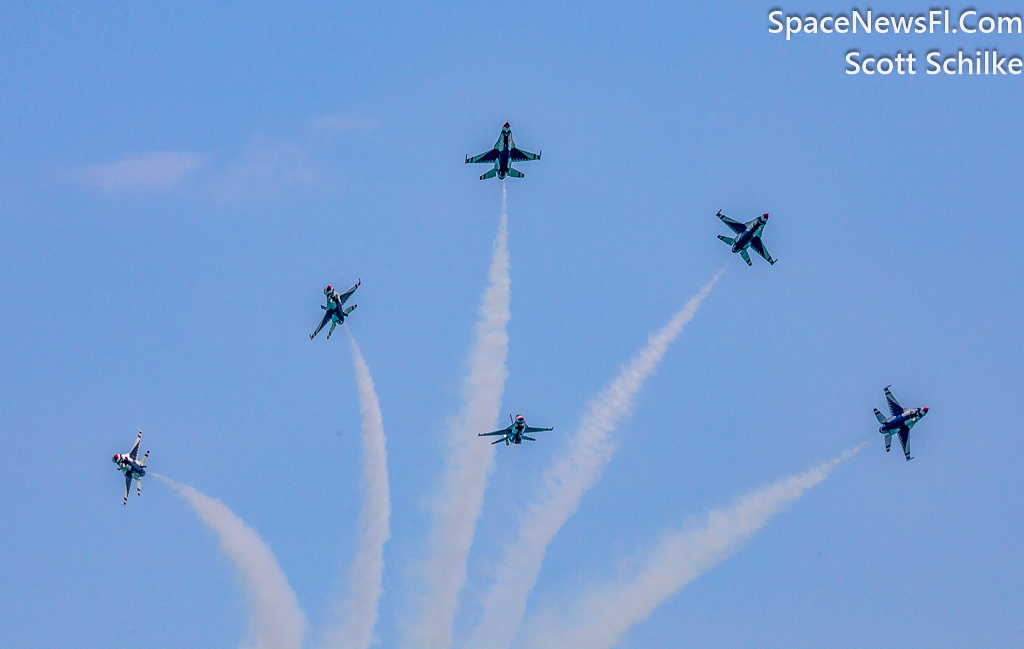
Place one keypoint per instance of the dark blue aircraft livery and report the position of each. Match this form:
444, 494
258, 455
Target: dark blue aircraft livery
749, 237
899, 423
334, 311
133, 469
516, 432
502, 155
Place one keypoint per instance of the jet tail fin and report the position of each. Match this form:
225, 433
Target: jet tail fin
727, 239
529, 438
515, 173
144, 458
350, 309
879, 416
888, 442
490, 174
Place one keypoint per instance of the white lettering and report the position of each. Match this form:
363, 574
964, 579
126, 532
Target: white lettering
857, 18
997, 63
962, 25
1009, 23
850, 61
789, 25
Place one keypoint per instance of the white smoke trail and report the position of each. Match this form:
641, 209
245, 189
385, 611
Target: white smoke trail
357, 617
565, 482
275, 619
470, 460
605, 614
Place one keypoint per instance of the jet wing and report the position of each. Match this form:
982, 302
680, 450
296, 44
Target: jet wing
134, 453
518, 155
531, 429
735, 226
894, 406
503, 431
905, 441
347, 294
127, 486
487, 156
758, 246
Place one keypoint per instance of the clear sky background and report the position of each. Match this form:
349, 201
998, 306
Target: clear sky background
179, 182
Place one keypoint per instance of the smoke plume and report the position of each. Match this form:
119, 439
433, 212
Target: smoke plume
605, 614
457, 506
357, 616
565, 482
275, 619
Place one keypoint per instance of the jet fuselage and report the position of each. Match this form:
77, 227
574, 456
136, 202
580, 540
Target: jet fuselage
504, 153
337, 314
754, 230
126, 464
907, 418
518, 428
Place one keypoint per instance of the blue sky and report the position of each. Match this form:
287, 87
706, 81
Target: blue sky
179, 182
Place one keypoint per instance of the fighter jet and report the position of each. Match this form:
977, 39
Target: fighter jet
899, 423
502, 155
335, 314
132, 469
516, 432
749, 237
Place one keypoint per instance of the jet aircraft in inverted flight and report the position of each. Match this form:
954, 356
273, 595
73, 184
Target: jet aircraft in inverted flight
502, 155
129, 465
900, 423
335, 314
516, 432
749, 237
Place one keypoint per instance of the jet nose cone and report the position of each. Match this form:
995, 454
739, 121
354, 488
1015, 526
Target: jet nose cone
506, 125
925, 410
765, 215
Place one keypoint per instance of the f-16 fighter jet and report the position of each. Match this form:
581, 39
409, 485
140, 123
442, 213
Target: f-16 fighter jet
132, 469
516, 432
899, 423
749, 237
335, 313
502, 155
